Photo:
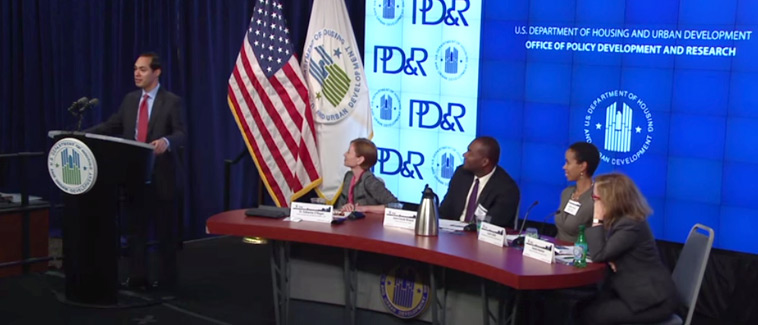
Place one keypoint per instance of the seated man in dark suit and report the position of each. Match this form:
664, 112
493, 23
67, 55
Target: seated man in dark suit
481, 182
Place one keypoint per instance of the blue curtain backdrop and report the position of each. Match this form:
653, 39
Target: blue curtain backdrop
53, 52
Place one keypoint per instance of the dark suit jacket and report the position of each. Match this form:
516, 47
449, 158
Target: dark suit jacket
166, 120
500, 196
640, 280
369, 190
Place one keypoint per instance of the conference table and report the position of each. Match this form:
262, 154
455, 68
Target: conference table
460, 251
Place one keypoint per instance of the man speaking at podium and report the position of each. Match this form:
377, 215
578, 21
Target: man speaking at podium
152, 115
480, 184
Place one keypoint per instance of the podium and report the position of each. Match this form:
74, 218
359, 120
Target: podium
90, 219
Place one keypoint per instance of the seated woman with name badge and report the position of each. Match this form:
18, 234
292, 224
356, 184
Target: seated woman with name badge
639, 289
582, 159
361, 190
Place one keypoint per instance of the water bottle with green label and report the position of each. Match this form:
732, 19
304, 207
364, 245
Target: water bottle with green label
580, 249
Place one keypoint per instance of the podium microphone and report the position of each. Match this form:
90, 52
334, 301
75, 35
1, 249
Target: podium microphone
80, 113
519, 241
91, 103
77, 104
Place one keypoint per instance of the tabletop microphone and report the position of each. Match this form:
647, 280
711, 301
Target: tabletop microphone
91, 103
526, 215
544, 220
519, 241
77, 104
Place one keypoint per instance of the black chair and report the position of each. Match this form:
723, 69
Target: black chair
689, 271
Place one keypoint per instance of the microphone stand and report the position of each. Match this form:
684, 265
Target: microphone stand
80, 114
75, 110
79, 123
519, 241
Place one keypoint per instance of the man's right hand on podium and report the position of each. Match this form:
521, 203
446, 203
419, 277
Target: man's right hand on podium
161, 145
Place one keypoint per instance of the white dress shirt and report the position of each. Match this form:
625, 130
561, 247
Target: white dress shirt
482, 183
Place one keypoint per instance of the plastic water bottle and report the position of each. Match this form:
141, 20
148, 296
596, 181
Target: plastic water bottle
580, 249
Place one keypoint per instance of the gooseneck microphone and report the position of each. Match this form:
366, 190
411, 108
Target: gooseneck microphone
544, 220
519, 241
526, 215
79, 103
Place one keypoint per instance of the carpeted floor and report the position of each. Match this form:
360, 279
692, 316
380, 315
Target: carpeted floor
221, 281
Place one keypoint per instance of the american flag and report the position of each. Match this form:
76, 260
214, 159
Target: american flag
269, 100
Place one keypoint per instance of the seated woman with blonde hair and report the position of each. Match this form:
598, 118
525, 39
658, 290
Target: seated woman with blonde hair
639, 288
361, 190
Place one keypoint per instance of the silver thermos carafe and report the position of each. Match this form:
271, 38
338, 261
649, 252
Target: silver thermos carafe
427, 216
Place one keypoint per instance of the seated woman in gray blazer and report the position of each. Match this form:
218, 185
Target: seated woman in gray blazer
582, 159
361, 190
638, 288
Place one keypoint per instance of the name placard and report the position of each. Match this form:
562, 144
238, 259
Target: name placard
398, 218
492, 234
539, 249
311, 212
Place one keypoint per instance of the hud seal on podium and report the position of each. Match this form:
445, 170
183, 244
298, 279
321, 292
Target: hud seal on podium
72, 166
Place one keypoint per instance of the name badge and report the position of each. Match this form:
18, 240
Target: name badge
572, 207
311, 212
398, 218
480, 212
492, 234
539, 249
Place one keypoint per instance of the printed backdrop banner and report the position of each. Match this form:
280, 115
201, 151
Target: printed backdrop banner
422, 60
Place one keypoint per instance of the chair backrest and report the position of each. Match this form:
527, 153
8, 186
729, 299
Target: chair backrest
690, 267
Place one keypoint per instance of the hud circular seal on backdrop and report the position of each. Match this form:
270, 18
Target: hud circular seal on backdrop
388, 12
451, 60
621, 125
385, 107
446, 159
